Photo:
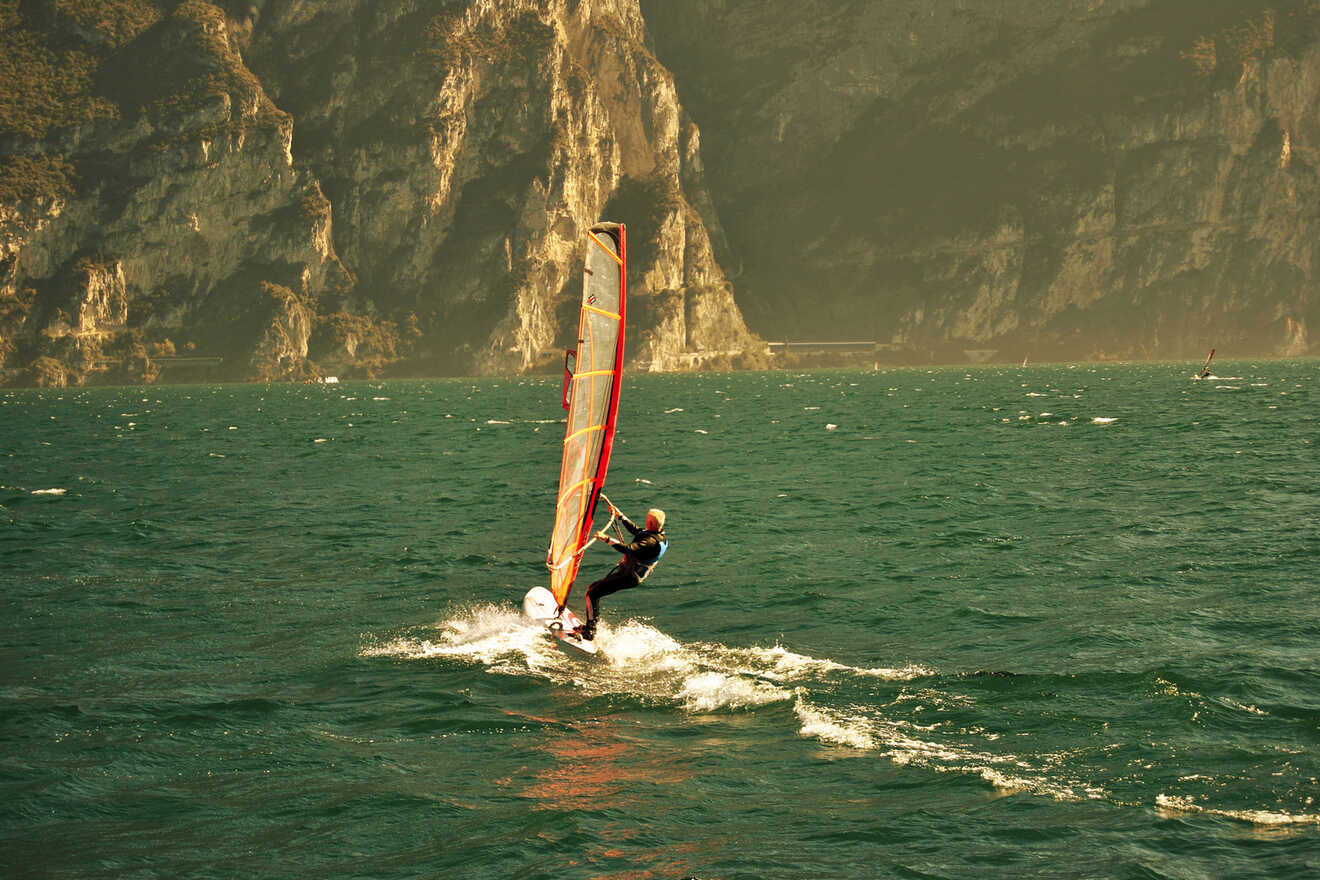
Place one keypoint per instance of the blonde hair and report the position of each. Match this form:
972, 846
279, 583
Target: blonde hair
658, 515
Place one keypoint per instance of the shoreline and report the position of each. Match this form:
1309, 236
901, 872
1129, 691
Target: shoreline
780, 364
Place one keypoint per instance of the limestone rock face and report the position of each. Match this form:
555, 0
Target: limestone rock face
290, 187
186, 193
278, 189
1088, 179
468, 150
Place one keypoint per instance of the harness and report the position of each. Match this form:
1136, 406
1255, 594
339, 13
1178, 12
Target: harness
647, 567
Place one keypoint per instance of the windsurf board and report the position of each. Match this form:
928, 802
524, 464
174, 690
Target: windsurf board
539, 605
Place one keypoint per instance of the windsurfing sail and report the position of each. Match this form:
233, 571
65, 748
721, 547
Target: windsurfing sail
591, 396
1205, 367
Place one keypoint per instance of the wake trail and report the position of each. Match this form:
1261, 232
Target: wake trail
899, 714
636, 660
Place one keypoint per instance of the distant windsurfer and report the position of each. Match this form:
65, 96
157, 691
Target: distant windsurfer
640, 556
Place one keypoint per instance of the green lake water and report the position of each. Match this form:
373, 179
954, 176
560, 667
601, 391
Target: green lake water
1057, 621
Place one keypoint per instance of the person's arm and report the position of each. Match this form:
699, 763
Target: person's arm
622, 517
634, 548
612, 541
627, 523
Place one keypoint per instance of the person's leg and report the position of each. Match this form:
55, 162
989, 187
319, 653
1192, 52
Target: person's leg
613, 582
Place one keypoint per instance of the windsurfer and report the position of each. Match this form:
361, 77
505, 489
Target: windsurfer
639, 557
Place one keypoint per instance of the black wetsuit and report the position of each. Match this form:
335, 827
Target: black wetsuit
638, 558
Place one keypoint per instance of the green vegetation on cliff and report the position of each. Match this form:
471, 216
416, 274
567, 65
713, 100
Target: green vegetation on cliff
34, 177
73, 62
45, 78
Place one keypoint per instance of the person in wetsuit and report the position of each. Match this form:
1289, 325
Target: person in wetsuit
639, 556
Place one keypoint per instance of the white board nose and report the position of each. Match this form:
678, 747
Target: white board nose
539, 604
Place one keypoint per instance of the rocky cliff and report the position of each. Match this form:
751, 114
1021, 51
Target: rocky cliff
281, 189
287, 188
168, 216
1073, 179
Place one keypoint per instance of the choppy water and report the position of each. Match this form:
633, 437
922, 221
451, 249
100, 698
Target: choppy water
1059, 621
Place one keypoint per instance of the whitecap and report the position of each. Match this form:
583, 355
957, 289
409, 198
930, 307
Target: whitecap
1104, 420
636, 645
488, 634
708, 691
780, 663
833, 728
702, 431
1174, 804
1241, 707
49, 491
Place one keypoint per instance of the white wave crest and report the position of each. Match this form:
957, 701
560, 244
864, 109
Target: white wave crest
708, 691
499, 638
833, 727
779, 663
905, 743
635, 645
1174, 804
